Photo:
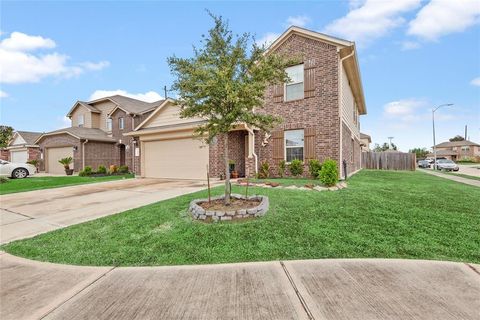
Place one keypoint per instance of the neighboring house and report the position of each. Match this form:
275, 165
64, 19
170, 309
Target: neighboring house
320, 110
365, 141
96, 136
457, 150
22, 147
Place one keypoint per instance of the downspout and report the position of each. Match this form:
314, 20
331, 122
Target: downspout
83, 153
340, 107
255, 157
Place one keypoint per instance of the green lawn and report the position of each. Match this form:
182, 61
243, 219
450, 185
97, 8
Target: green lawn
299, 182
37, 183
381, 214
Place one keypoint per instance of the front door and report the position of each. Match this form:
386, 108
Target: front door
122, 154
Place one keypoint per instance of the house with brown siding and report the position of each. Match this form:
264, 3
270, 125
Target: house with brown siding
320, 110
457, 150
96, 136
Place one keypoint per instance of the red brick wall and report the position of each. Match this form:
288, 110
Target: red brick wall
129, 125
5, 154
62, 140
320, 112
101, 154
236, 152
33, 154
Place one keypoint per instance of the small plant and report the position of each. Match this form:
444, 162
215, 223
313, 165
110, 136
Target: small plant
123, 169
3, 179
296, 167
329, 173
102, 170
264, 170
282, 166
231, 165
314, 167
33, 162
66, 162
113, 169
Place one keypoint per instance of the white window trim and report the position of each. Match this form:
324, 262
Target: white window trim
122, 121
285, 85
107, 121
81, 124
285, 145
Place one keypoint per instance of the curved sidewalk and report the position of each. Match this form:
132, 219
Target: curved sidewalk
472, 182
305, 289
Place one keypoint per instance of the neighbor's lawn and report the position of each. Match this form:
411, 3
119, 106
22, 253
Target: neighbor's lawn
37, 183
380, 215
299, 182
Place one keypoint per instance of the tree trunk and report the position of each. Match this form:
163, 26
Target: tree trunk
227, 171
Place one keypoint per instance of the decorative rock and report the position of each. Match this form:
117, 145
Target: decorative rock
226, 218
318, 188
291, 187
210, 213
332, 188
230, 213
252, 210
219, 213
274, 184
309, 186
242, 212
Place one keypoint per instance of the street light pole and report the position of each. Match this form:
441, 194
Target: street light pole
433, 126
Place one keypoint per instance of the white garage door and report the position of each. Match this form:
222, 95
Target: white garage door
180, 158
19, 156
55, 154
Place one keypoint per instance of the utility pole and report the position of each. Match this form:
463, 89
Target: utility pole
433, 125
465, 132
165, 90
390, 142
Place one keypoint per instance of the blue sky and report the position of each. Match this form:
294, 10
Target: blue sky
413, 55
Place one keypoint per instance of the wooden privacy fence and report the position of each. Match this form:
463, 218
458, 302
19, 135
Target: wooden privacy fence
388, 160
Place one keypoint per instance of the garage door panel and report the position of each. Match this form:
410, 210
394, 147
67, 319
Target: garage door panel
55, 154
176, 159
19, 156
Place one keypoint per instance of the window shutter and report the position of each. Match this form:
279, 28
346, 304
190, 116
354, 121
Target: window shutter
309, 143
278, 147
278, 93
309, 78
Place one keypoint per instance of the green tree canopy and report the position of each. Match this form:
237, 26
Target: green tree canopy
6, 133
224, 82
384, 147
420, 152
457, 138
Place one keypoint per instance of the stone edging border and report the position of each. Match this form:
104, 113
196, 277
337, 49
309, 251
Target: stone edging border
338, 186
199, 213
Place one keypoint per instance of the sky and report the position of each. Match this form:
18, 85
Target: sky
414, 55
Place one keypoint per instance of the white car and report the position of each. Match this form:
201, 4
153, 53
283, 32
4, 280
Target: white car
448, 165
16, 170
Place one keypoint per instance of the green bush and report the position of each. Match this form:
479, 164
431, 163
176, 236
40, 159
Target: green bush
33, 162
314, 167
296, 167
282, 166
264, 170
102, 170
88, 170
123, 169
329, 173
82, 174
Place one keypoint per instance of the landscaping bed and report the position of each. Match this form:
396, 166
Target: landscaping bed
382, 214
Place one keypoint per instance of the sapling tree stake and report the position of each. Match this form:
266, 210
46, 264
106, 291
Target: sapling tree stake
208, 184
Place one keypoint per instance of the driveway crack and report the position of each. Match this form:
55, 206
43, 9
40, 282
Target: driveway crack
297, 292
21, 214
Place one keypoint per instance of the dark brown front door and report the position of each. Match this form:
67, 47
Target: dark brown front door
122, 154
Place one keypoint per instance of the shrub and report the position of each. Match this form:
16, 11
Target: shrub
82, 173
3, 179
282, 165
296, 167
314, 167
329, 173
264, 170
113, 169
123, 169
102, 170
66, 162
33, 162
88, 170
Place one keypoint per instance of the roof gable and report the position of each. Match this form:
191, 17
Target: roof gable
82, 104
24, 138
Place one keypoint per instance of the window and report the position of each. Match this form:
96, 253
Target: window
81, 120
121, 124
293, 145
466, 148
294, 88
108, 124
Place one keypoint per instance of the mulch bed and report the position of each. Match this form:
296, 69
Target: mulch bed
235, 204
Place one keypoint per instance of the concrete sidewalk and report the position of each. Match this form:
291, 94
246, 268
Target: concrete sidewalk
310, 289
472, 182
27, 214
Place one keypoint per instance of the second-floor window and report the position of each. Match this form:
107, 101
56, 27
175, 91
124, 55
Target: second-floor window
121, 123
108, 124
294, 88
81, 120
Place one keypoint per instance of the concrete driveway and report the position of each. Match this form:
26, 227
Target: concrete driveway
308, 289
27, 214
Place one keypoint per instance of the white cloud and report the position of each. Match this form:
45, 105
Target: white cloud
299, 21
268, 39
150, 96
371, 20
475, 82
19, 41
410, 45
18, 65
441, 17
3, 94
405, 110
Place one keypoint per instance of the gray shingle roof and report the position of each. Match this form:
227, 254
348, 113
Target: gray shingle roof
84, 133
29, 136
449, 144
134, 105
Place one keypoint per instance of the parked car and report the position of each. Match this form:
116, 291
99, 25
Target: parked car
16, 170
423, 164
445, 164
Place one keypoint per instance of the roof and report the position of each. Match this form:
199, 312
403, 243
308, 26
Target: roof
365, 136
29, 136
449, 144
348, 56
127, 104
81, 133
443, 153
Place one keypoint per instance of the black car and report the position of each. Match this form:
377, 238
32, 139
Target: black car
423, 164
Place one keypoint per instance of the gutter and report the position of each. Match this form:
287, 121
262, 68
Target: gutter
253, 151
83, 153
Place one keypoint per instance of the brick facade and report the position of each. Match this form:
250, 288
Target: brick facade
4, 154
236, 152
61, 140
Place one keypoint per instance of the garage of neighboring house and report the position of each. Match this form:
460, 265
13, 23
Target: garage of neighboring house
53, 155
22, 147
168, 147
19, 156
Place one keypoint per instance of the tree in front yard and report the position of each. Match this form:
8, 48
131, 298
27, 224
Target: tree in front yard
420, 152
6, 133
384, 147
223, 83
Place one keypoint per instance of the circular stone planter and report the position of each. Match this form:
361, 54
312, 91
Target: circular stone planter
200, 213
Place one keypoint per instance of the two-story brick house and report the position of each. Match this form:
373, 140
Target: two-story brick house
96, 136
320, 109
457, 150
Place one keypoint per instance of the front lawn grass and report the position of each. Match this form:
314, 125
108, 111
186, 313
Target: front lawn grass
37, 183
299, 182
381, 214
